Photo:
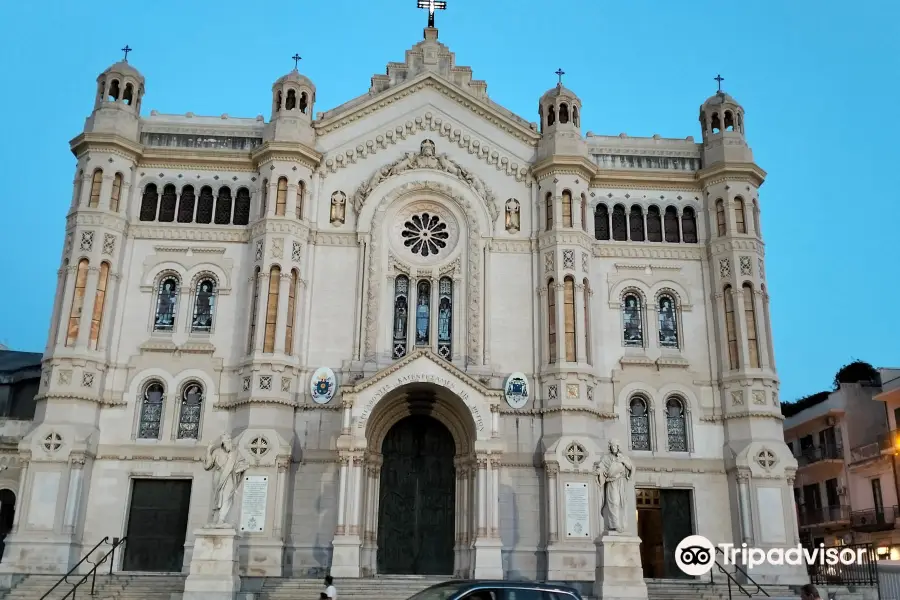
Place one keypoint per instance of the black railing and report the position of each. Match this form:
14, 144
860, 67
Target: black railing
808, 517
92, 573
816, 454
874, 519
758, 591
863, 571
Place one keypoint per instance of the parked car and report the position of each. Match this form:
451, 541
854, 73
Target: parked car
497, 590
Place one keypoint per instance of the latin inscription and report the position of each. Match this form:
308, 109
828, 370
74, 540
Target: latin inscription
420, 378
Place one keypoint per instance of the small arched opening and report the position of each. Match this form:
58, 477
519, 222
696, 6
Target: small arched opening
7, 516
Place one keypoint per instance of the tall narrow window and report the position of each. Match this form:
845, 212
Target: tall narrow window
281, 197
668, 322
301, 188
676, 425
191, 409
242, 207
654, 224
148, 203
689, 225
77, 303
445, 318
756, 228
767, 325
636, 223
569, 307
567, 208
291, 313
116, 195
619, 224
401, 315
601, 222
584, 204
166, 301
79, 185
186, 205
731, 328
205, 205
150, 420
96, 184
423, 313
750, 318
204, 306
272, 310
264, 199
671, 225
223, 206
548, 208
720, 217
639, 416
587, 322
254, 312
551, 319
739, 220
168, 204
99, 303
632, 321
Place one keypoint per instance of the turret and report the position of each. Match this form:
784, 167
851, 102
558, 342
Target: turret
559, 111
293, 97
117, 105
722, 125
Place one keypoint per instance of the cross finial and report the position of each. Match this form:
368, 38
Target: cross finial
296, 58
432, 5
560, 73
719, 79
126, 50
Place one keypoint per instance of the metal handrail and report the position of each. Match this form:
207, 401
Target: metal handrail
731, 578
65, 577
92, 573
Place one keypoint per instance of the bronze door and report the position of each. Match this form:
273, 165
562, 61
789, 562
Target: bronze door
157, 525
416, 506
678, 523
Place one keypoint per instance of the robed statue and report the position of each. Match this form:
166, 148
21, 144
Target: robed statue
223, 458
615, 472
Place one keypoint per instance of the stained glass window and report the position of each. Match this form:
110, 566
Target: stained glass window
632, 321
191, 408
640, 424
445, 318
254, 312
668, 322
166, 301
569, 315
423, 313
676, 427
116, 193
77, 303
750, 318
567, 208
739, 220
96, 183
731, 328
151, 410
204, 306
601, 222
548, 209
401, 315
619, 225
281, 197
272, 309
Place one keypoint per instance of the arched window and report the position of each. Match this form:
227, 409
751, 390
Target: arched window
150, 419
756, 228
291, 313
168, 204
96, 184
689, 225
148, 203
114, 90
264, 199
79, 186
551, 319
639, 417
272, 309
77, 303
186, 205
668, 322
423, 313
676, 425
204, 305
304, 102
401, 315
116, 193
731, 328
290, 103
716, 123
739, 220
254, 312
281, 197
99, 303
567, 208
587, 322
569, 308
720, 217
223, 206
548, 208
654, 224
445, 318
575, 116
619, 224
205, 205
242, 207
636, 223
128, 96
584, 204
166, 302
729, 121
601, 222
551, 115
671, 225
563, 113
191, 409
750, 318
301, 189
632, 321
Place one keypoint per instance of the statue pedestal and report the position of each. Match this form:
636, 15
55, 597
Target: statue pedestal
214, 565
619, 574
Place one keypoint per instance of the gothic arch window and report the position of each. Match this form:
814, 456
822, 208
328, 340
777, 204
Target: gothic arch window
551, 319
676, 425
166, 303
619, 224
77, 302
264, 199
715, 124
113, 90
720, 217
587, 321
575, 116
205, 205
668, 321
445, 318
401, 315
153, 395
756, 227
570, 316
186, 205
671, 225
740, 221
116, 195
423, 313
639, 418
242, 207
301, 192
654, 224
99, 303
731, 328
632, 320
254, 312
689, 225
304, 102
149, 202
563, 113
291, 313
272, 309
636, 223
281, 197
128, 96
601, 222
551, 115
190, 411
567, 208
96, 184
750, 318
290, 102
584, 204
223, 206
204, 305
548, 208
168, 204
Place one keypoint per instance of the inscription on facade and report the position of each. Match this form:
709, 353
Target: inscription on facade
578, 521
444, 382
253, 503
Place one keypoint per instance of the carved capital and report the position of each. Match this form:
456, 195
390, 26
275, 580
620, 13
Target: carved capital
357, 461
344, 461
552, 469
76, 460
283, 463
495, 463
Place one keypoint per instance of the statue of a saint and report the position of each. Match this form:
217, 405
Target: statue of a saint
512, 216
338, 208
422, 320
225, 460
615, 473
400, 319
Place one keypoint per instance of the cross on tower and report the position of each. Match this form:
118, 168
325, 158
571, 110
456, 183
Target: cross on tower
296, 58
560, 73
126, 50
719, 79
432, 5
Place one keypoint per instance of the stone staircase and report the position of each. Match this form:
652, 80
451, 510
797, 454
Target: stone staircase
115, 587
377, 588
678, 589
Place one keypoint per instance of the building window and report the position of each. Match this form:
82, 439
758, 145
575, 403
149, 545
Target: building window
601, 222
77, 303
168, 204
272, 310
445, 318
584, 203
150, 418
242, 207
264, 198
423, 313
191, 409
166, 301
671, 225
205, 205
223, 206
636, 223
567, 208
186, 205
204, 305
116, 193
548, 208
291, 313
281, 197
676, 425
639, 415
668, 322
551, 319
689, 226
750, 318
254, 312
632, 321
619, 224
740, 222
96, 184
401, 315
720, 217
569, 308
654, 224
300, 193
148, 203
99, 304
731, 328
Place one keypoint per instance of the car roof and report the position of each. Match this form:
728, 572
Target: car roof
470, 584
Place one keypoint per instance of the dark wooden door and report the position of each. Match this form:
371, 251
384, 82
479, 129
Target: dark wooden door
157, 525
416, 506
678, 523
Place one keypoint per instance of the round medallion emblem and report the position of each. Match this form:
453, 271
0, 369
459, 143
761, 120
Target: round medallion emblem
322, 385
516, 390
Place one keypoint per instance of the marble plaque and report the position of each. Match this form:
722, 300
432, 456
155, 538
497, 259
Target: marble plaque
578, 522
42, 504
253, 503
771, 515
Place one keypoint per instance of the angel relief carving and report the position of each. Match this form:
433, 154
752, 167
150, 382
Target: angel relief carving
512, 216
427, 158
338, 210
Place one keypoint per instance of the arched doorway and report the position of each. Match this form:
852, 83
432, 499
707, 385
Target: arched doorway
7, 516
416, 516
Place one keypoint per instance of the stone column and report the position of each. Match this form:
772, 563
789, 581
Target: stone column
457, 337
290, 208
552, 491
434, 299
762, 331
487, 311
740, 325
345, 417
342, 498
20, 496
543, 323
359, 308
495, 420
284, 289
482, 496
495, 498
357, 497
743, 483
73, 497
282, 463
560, 292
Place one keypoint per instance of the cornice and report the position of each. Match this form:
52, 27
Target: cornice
282, 225
642, 179
109, 142
335, 239
189, 232
197, 159
564, 165
288, 152
646, 250
748, 172
511, 246
519, 412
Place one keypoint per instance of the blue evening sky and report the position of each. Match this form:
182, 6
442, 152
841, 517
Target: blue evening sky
818, 81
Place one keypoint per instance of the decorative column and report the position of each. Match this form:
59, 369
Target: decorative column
342, 497
488, 562
495, 498
357, 495
290, 207
24, 460
282, 464
261, 307
580, 334
70, 273
560, 291
345, 417
482, 496
434, 299
762, 330
543, 322
358, 309
486, 311
73, 497
457, 339
743, 482
552, 490
495, 421
284, 290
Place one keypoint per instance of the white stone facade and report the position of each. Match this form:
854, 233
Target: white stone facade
298, 226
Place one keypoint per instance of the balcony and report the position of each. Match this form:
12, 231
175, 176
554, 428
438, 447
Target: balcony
816, 454
885, 444
874, 519
811, 517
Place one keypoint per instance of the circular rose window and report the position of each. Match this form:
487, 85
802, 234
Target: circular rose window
425, 234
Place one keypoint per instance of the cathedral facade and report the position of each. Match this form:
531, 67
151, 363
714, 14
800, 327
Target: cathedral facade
421, 319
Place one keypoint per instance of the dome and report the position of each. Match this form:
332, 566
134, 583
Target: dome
123, 68
295, 77
559, 91
720, 98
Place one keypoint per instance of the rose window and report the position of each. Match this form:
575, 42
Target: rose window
425, 234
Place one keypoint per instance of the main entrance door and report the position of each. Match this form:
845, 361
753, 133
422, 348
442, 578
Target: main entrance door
157, 525
416, 506
665, 517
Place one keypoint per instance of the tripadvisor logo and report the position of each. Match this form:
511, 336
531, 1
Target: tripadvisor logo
695, 556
